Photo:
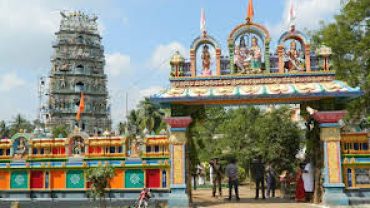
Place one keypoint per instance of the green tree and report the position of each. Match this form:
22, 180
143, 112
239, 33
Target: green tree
244, 133
278, 138
60, 131
99, 178
349, 39
20, 123
4, 130
147, 116
150, 115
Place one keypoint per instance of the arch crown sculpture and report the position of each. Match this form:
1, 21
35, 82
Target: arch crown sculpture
249, 53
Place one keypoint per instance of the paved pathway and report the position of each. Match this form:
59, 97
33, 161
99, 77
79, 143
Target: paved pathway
202, 198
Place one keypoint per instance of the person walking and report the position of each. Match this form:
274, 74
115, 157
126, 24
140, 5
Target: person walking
308, 180
258, 171
217, 176
299, 187
270, 181
231, 171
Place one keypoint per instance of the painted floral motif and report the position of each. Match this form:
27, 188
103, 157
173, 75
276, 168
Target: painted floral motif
19, 179
134, 178
75, 179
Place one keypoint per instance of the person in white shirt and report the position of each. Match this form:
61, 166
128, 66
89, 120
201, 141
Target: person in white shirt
308, 180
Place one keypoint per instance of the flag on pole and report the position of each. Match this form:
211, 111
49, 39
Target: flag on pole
291, 15
250, 13
202, 21
81, 107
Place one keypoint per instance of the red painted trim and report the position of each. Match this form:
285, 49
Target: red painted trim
178, 122
328, 116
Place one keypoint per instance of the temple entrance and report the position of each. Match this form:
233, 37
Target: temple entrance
293, 74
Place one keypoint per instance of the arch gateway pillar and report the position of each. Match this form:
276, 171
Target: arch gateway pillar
330, 136
178, 126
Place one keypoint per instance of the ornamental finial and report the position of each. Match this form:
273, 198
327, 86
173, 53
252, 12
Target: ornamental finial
250, 12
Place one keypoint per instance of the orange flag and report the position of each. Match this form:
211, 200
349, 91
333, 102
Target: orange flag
250, 11
81, 108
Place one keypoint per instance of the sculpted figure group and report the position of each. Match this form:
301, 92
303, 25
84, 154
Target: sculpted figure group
248, 59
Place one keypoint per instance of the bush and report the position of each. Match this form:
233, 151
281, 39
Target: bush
242, 174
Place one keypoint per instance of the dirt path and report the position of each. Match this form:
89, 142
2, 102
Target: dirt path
202, 198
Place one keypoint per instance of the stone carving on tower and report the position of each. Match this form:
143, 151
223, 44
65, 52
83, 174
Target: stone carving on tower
77, 68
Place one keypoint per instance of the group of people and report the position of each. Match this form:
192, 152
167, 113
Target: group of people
231, 172
304, 180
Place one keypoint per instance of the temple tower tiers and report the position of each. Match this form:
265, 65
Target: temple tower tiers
77, 70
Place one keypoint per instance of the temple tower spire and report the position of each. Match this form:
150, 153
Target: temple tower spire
78, 71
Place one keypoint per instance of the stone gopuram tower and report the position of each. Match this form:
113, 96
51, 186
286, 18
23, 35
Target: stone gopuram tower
77, 70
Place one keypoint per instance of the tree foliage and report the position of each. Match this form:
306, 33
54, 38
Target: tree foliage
244, 133
4, 130
99, 178
20, 123
60, 131
147, 116
349, 39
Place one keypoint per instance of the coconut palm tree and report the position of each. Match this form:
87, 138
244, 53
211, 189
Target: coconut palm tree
19, 123
4, 130
150, 115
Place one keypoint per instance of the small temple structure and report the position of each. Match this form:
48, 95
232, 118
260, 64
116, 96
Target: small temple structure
252, 73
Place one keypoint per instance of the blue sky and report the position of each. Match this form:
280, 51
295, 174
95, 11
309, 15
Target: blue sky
139, 37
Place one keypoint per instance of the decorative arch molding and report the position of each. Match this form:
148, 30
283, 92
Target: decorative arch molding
27, 136
253, 28
76, 134
200, 40
296, 35
302, 39
207, 39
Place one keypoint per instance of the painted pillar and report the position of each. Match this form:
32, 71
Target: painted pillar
280, 51
192, 63
267, 55
308, 57
218, 61
330, 136
178, 196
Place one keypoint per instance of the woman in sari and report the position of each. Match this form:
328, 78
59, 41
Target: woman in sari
299, 190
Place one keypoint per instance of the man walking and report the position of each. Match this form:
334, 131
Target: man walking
232, 173
217, 176
271, 181
258, 171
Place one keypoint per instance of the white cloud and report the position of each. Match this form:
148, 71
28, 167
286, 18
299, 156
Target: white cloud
10, 81
163, 53
308, 15
117, 64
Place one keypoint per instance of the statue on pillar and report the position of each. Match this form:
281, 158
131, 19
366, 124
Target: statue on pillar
20, 148
255, 52
241, 56
294, 61
206, 61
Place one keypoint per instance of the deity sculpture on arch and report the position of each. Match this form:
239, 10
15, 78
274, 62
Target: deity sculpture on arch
248, 60
294, 60
206, 61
